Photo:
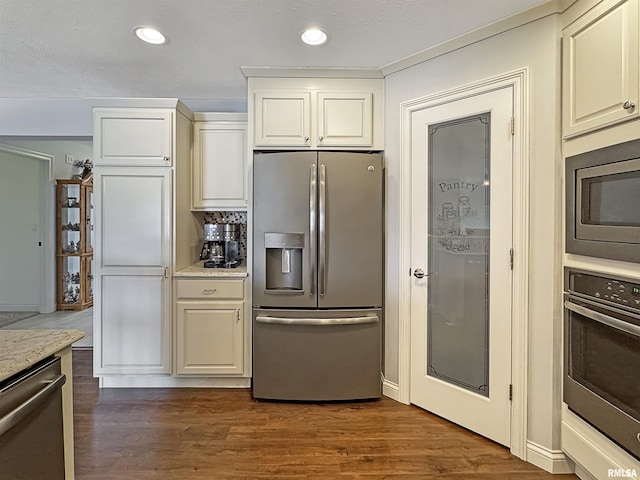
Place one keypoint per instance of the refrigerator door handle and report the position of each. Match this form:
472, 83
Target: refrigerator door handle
322, 273
316, 321
312, 230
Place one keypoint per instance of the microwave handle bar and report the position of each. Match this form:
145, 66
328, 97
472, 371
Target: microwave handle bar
604, 319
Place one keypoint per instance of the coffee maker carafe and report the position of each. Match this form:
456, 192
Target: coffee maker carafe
231, 246
213, 251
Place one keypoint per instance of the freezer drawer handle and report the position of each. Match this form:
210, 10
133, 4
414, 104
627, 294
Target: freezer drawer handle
317, 321
19, 413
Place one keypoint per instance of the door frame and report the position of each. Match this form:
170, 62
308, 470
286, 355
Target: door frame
518, 80
47, 216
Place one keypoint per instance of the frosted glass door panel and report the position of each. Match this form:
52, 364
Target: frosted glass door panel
458, 253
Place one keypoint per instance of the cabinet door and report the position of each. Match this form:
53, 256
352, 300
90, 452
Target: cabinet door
282, 119
134, 329
132, 256
210, 338
600, 67
345, 119
219, 172
133, 219
133, 137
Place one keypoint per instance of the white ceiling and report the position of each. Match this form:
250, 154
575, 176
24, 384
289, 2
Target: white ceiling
86, 48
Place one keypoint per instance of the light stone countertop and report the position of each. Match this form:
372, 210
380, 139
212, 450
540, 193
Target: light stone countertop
198, 271
19, 349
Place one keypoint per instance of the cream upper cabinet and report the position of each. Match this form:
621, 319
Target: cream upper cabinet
130, 136
219, 170
316, 113
210, 318
601, 67
282, 119
345, 119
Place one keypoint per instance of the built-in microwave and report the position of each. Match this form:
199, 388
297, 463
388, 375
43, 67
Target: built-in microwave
603, 202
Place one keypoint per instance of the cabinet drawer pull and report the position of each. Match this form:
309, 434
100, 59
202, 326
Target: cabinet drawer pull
209, 291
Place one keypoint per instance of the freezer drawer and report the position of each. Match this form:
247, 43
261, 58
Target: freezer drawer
317, 355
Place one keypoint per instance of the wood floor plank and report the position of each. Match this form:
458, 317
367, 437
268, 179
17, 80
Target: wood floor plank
196, 433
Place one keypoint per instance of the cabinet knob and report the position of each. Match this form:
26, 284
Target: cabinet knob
166, 159
629, 105
306, 139
320, 139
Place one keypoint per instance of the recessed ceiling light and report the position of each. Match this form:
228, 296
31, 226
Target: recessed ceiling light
150, 35
313, 36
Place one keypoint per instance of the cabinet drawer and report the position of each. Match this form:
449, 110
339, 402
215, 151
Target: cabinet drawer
210, 289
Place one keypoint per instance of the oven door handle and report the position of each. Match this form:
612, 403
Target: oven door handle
604, 319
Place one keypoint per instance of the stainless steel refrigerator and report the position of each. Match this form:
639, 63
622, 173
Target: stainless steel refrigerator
317, 275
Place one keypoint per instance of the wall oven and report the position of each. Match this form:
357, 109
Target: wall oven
602, 354
603, 202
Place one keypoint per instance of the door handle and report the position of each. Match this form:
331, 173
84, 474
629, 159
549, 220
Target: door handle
316, 321
31, 404
312, 229
322, 227
419, 273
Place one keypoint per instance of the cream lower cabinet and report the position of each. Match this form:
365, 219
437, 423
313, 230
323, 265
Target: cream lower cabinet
210, 327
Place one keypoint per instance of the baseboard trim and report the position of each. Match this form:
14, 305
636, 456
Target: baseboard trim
391, 390
19, 308
157, 381
553, 461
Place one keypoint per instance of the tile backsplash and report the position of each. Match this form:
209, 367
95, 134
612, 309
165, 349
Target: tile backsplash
238, 218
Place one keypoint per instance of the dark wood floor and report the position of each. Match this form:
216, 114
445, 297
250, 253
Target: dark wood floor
226, 434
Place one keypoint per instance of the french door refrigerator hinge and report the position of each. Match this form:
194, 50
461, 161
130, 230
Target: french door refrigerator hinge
511, 258
510, 392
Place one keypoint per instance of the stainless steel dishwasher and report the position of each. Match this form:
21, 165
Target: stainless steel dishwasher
31, 432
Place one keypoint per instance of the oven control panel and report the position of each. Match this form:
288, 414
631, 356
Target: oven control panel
614, 290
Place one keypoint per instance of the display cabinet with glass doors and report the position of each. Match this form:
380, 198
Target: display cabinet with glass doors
75, 243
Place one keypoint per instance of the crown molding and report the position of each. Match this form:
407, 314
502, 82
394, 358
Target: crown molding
552, 7
306, 72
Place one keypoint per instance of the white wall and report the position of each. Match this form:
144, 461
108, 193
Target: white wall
20, 220
536, 46
28, 195
79, 147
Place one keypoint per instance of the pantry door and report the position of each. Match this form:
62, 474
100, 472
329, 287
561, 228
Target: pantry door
461, 241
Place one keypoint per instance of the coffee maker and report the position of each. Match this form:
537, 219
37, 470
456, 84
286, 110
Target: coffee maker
213, 247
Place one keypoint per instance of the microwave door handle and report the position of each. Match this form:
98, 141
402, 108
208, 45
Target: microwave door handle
604, 319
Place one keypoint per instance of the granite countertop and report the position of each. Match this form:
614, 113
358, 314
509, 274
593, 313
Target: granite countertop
19, 349
197, 270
